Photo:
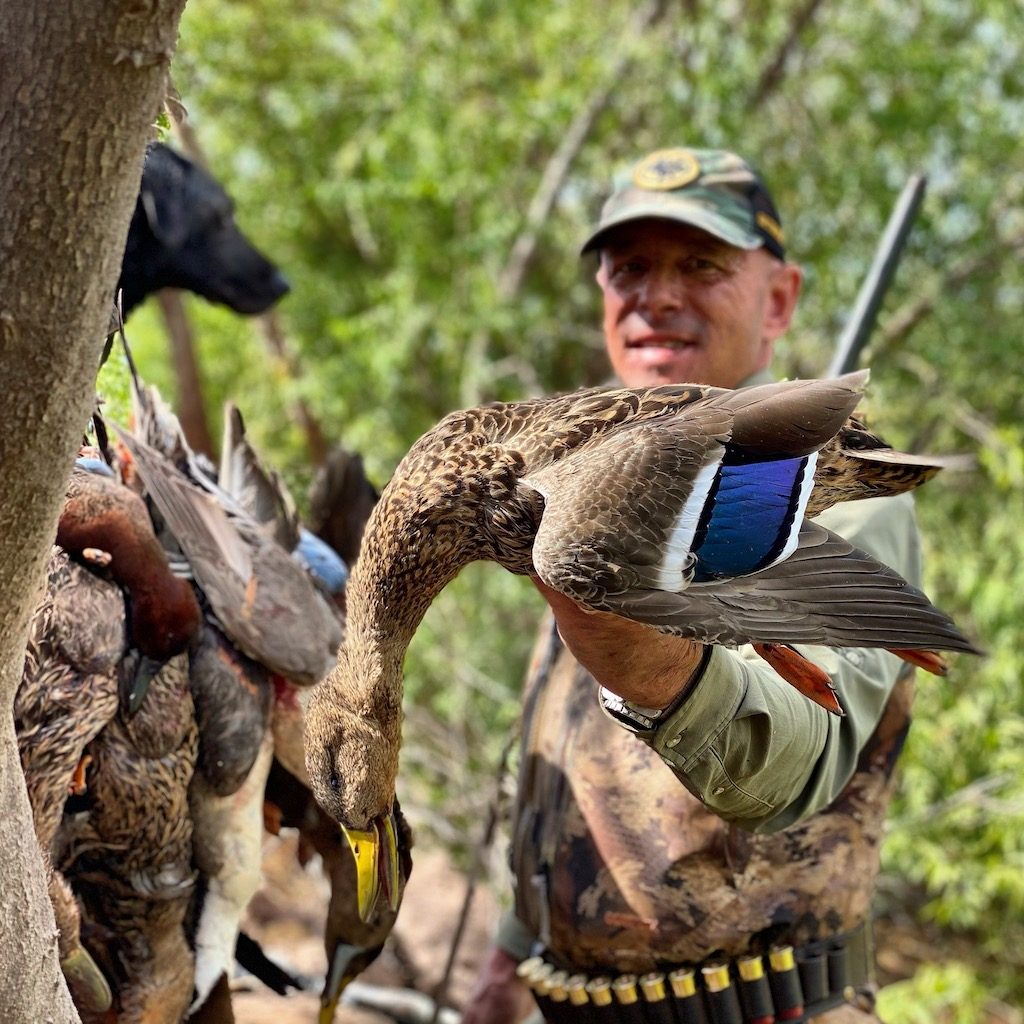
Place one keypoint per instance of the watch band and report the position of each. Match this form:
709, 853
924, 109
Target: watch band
634, 717
639, 719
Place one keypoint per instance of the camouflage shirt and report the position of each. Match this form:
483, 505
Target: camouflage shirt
750, 815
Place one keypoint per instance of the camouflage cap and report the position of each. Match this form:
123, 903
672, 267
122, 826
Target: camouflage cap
712, 189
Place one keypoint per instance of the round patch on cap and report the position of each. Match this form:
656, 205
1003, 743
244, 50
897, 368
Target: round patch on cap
666, 169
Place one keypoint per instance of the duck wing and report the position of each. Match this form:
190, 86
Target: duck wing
259, 490
827, 592
265, 601
696, 524
714, 488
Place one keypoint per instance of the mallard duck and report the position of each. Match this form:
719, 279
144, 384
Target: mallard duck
353, 935
227, 844
127, 851
684, 507
68, 692
233, 696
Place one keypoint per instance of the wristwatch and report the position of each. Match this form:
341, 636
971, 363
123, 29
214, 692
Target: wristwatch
634, 717
639, 719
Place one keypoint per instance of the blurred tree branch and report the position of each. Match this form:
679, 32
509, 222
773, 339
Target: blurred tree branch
773, 72
553, 177
906, 319
557, 168
274, 337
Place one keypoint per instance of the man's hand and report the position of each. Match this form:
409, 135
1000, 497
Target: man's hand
635, 661
498, 997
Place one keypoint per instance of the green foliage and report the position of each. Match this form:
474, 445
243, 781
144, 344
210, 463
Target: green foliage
387, 156
951, 993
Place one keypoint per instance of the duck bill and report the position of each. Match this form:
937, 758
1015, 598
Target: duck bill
86, 981
343, 968
377, 872
133, 689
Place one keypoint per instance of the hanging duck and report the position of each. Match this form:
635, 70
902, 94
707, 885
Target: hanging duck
684, 507
114, 622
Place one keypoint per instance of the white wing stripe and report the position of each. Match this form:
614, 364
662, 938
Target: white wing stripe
806, 486
676, 558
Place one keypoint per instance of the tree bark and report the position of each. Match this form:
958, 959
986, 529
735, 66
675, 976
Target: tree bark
80, 90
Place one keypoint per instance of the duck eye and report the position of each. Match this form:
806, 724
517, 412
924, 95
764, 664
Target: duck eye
335, 782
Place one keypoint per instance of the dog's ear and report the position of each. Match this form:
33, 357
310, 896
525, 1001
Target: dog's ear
162, 195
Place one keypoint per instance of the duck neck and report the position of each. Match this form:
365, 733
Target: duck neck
164, 612
386, 600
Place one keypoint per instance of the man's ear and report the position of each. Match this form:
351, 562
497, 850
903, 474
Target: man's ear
780, 303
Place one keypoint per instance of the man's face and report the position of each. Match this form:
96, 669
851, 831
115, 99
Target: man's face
680, 306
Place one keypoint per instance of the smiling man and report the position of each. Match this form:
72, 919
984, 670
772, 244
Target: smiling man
689, 302
715, 836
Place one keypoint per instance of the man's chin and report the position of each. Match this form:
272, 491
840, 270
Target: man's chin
644, 368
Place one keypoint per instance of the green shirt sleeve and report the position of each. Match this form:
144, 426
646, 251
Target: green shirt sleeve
752, 748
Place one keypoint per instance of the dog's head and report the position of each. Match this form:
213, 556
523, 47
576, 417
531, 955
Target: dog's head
183, 235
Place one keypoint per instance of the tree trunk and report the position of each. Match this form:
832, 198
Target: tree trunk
81, 86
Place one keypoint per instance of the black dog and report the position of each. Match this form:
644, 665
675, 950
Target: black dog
183, 235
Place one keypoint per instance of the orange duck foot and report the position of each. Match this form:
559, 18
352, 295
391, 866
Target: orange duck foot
928, 660
77, 786
811, 680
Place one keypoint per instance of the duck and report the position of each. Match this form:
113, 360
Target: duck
106, 524
67, 694
688, 508
112, 617
354, 935
233, 695
235, 530
127, 850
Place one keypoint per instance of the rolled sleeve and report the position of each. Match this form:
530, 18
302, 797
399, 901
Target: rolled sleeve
514, 937
743, 740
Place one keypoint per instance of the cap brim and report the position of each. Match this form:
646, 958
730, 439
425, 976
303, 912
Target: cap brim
680, 212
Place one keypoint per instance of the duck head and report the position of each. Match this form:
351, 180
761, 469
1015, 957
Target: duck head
351, 746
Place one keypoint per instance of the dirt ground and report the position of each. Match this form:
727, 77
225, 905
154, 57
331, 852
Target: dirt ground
287, 915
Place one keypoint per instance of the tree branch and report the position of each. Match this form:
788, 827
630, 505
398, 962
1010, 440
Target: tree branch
906, 319
269, 323
772, 74
513, 273
557, 169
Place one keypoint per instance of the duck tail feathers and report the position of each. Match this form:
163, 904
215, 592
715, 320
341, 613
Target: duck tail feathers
787, 419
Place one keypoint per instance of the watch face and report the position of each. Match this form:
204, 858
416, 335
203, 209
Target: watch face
628, 715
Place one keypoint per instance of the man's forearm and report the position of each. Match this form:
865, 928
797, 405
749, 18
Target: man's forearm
631, 659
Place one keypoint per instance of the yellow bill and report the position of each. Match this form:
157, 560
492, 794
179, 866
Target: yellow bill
377, 872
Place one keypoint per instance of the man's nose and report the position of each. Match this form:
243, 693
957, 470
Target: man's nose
663, 292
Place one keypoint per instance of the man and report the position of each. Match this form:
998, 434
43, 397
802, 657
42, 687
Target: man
708, 812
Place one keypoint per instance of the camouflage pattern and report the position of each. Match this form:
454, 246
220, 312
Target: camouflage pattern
642, 874
619, 868
716, 191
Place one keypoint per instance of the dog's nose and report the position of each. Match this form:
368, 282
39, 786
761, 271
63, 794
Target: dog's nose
278, 284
